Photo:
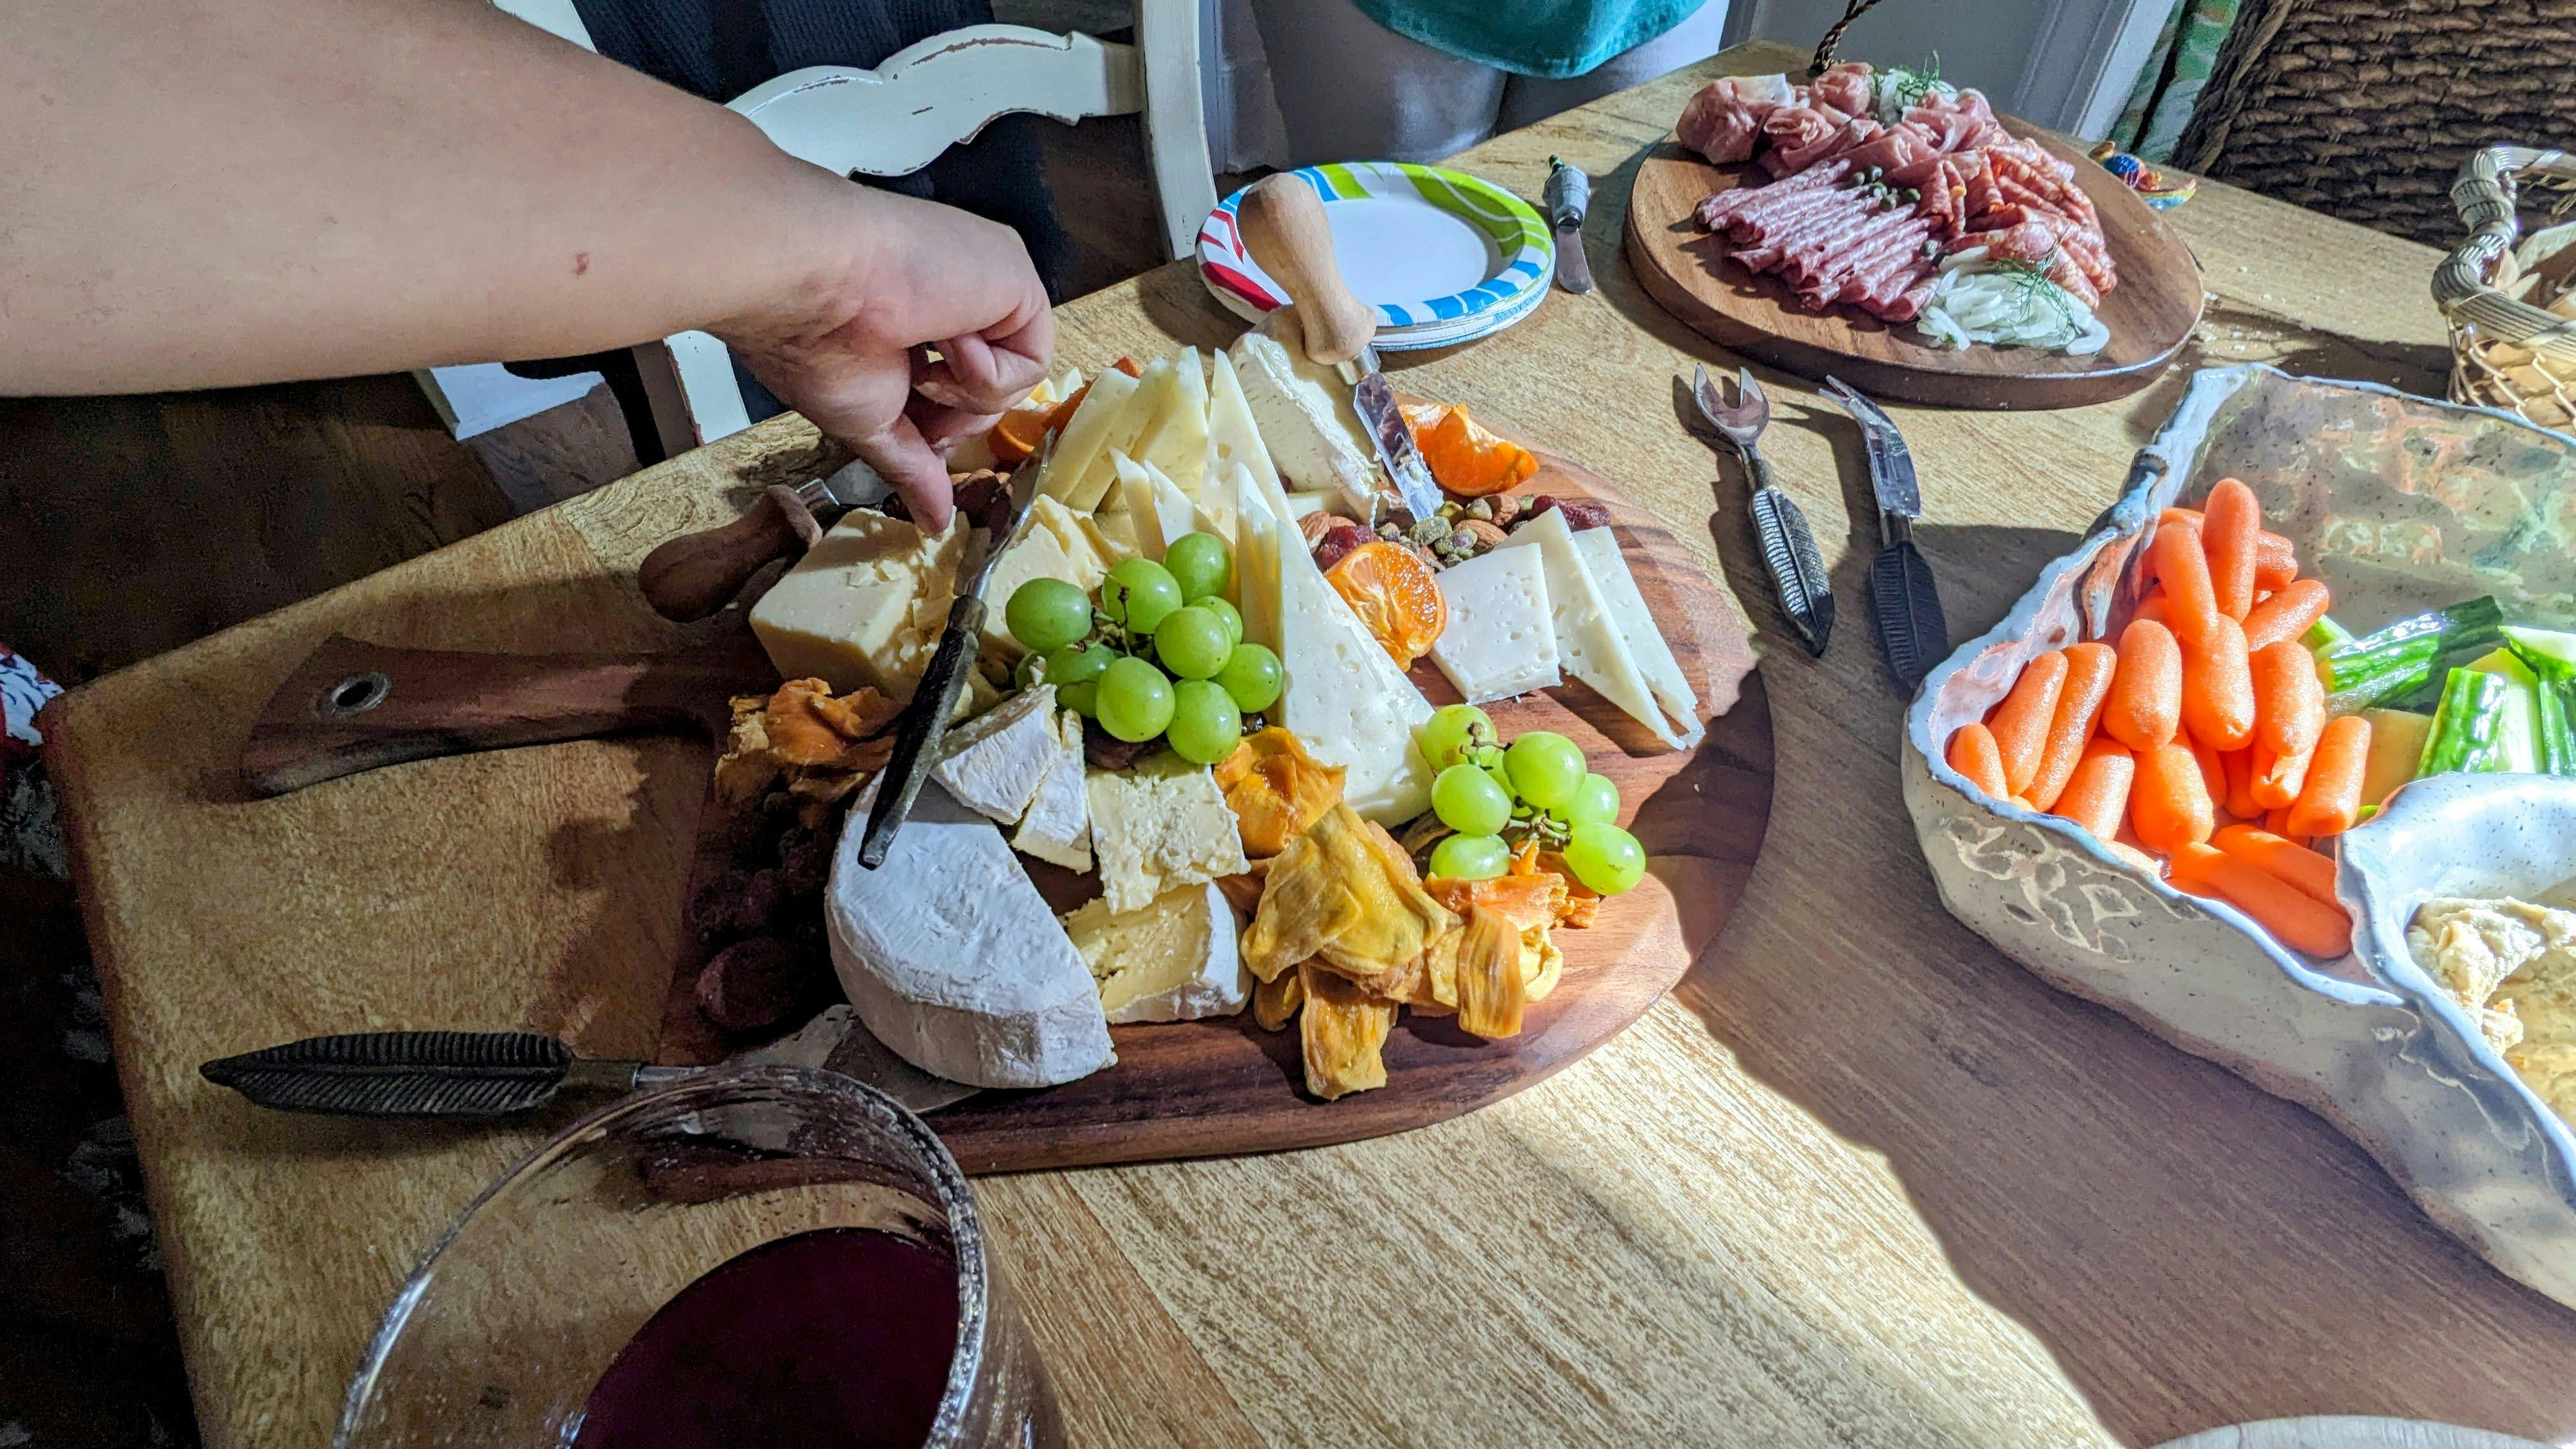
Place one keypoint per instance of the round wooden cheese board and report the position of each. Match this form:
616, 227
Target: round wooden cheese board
2150, 314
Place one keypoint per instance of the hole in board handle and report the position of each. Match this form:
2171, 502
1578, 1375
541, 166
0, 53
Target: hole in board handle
354, 695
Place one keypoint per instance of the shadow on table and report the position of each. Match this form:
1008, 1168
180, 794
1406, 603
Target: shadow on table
2192, 1251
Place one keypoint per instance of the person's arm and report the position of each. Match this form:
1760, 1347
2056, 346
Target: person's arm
200, 193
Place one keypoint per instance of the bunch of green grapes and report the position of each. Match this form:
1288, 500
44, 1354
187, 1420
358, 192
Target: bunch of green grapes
1537, 789
1159, 651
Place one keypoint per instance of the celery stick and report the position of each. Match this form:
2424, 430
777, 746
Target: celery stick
2325, 636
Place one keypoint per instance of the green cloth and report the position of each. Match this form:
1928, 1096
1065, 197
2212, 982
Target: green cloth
1552, 38
2170, 85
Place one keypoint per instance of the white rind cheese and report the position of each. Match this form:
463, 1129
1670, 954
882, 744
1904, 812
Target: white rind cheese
1346, 701
1501, 636
953, 959
1647, 647
1159, 825
1305, 414
1057, 827
864, 607
1588, 640
1175, 960
993, 764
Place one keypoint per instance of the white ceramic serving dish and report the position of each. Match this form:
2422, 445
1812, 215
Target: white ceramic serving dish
2401, 504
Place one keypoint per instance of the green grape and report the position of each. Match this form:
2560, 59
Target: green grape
1252, 676
1205, 724
1082, 698
1605, 858
1191, 643
1046, 614
1137, 593
1226, 614
1546, 768
1199, 562
1471, 857
1468, 801
1452, 731
1075, 663
1596, 801
1135, 700
1501, 777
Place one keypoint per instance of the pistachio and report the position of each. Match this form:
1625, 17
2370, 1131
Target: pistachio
1481, 508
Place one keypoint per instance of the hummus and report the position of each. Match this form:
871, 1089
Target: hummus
2512, 965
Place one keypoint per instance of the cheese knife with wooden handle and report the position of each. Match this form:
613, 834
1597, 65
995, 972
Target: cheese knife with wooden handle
694, 575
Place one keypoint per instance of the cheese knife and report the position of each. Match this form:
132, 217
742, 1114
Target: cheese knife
1284, 229
1567, 196
497, 1073
1789, 550
934, 700
696, 574
1903, 601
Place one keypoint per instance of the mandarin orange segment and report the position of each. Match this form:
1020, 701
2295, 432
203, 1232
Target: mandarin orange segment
1396, 595
1465, 456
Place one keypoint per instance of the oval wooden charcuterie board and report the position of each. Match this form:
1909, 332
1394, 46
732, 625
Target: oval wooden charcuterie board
2151, 313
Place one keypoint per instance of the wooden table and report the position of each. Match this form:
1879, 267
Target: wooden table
1859, 1181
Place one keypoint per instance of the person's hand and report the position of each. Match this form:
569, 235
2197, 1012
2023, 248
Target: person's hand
853, 355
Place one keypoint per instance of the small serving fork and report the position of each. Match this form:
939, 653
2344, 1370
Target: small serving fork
1788, 545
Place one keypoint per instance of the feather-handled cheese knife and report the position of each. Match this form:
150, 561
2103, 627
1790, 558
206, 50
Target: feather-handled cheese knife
1912, 634
1788, 545
495, 1073
1283, 226
1568, 196
934, 699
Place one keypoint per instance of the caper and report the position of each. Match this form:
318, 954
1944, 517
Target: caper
1911, 194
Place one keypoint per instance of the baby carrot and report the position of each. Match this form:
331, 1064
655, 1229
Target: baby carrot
2145, 704
2187, 517
1972, 753
2079, 709
2277, 777
2276, 562
2288, 614
2153, 606
2311, 872
2169, 805
2184, 569
2276, 821
2020, 724
2097, 794
2294, 918
2240, 801
2218, 685
2230, 527
2213, 771
2330, 801
2289, 702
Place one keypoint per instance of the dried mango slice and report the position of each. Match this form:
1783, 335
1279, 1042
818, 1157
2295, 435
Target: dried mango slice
1342, 1033
1276, 1000
1466, 457
1343, 894
1541, 963
1276, 789
807, 726
1523, 900
1491, 984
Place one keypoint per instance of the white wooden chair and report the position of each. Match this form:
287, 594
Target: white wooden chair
924, 99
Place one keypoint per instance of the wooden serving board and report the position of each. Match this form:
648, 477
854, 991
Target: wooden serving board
2151, 313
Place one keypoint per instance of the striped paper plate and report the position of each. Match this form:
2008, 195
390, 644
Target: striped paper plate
1441, 255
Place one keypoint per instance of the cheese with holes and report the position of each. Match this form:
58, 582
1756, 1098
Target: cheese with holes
1305, 414
864, 607
1159, 825
1233, 437
993, 764
1059, 544
1588, 640
1174, 960
953, 959
1346, 701
1647, 647
1057, 827
1175, 443
1085, 438
1501, 637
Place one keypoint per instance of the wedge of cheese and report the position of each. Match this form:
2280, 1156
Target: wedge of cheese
953, 959
993, 764
1145, 404
1174, 960
1233, 437
1256, 559
1059, 544
1175, 443
1085, 436
1346, 701
1153, 504
1305, 414
1159, 825
1647, 647
1589, 642
1057, 827
864, 607
1501, 636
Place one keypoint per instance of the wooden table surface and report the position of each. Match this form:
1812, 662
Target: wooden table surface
1860, 1180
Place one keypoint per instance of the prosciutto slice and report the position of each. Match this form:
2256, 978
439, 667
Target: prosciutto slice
1725, 119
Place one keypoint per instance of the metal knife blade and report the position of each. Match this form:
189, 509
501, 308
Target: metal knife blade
1375, 402
1797, 568
1567, 196
934, 699
837, 1041
854, 485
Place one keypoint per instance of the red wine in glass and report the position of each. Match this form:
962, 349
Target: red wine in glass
840, 1338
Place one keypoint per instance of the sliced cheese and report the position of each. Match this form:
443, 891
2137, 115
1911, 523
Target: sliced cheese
1305, 415
1075, 533
1159, 825
1588, 641
1647, 646
1154, 504
1346, 701
1057, 827
1174, 514
993, 764
1119, 535
1085, 492
1256, 559
1084, 437
953, 959
1059, 544
1174, 960
1176, 442
1233, 437
864, 607
1501, 636
1301, 504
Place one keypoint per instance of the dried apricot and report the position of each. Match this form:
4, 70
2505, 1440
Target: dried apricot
1395, 593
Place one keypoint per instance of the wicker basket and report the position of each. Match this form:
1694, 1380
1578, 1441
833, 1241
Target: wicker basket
2512, 308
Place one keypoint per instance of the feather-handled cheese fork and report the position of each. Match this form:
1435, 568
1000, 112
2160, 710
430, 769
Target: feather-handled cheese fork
1788, 545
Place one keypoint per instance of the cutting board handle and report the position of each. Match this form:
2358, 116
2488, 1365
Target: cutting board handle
1283, 226
355, 706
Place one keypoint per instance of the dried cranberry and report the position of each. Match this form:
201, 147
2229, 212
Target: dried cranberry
1580, 513
756, 983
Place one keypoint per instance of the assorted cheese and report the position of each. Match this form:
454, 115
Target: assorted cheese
994, 763
864, 607
1591, 640
1162, 824
1176, 959
1502, 639
1305, 415
1057, 826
